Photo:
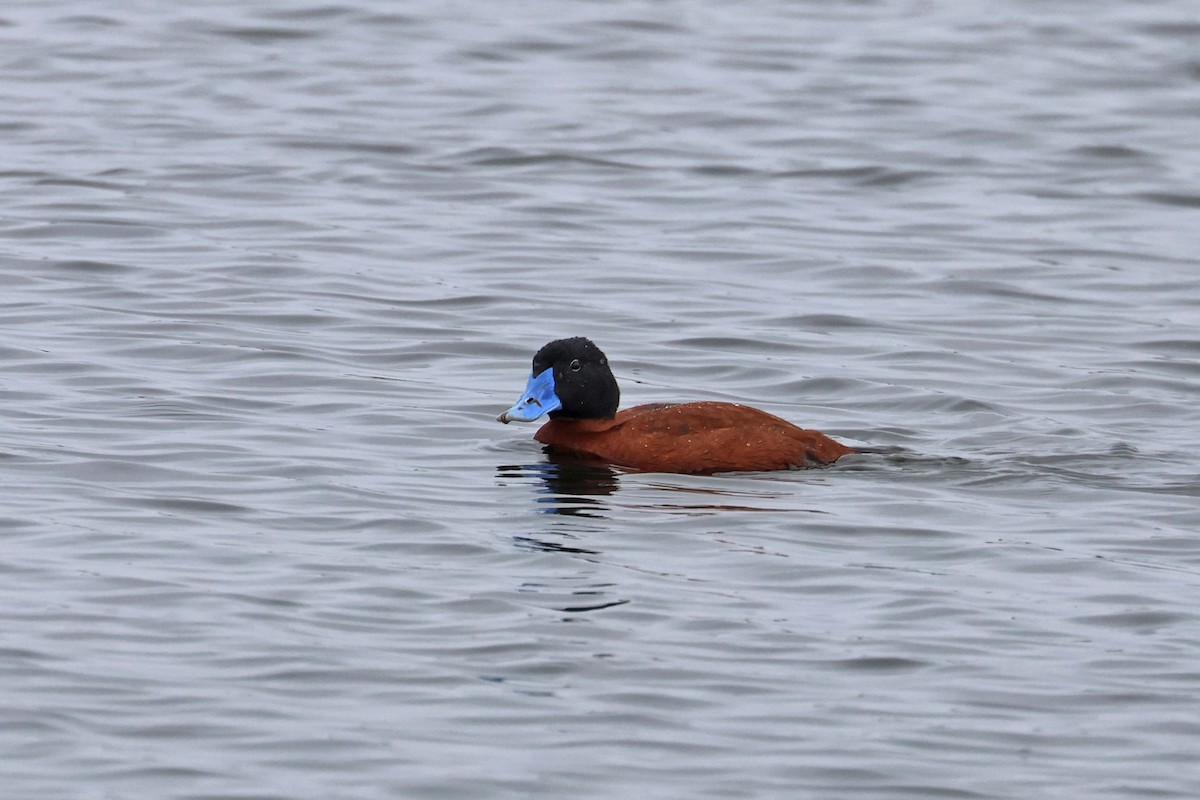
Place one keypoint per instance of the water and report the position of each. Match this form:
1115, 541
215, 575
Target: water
270, 272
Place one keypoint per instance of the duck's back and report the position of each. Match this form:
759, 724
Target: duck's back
701, 437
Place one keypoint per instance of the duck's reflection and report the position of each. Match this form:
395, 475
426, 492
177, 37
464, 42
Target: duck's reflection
580, 497
575, 488
568, 486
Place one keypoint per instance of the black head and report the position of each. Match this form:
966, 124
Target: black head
582, 379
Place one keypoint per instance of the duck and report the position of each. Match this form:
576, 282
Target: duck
572, 383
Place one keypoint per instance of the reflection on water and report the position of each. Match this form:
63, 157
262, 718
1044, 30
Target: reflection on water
569, 486
582, 488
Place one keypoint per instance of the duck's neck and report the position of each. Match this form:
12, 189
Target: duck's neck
581, 425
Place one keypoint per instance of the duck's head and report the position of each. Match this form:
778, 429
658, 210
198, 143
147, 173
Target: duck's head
570, 379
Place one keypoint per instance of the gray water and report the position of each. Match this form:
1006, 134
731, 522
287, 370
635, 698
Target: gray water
270, 270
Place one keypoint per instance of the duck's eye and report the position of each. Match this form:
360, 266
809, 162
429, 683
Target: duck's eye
576, 366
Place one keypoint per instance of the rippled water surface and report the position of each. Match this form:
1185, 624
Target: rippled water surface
269, 271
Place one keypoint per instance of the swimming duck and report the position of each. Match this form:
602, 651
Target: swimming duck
572, 382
